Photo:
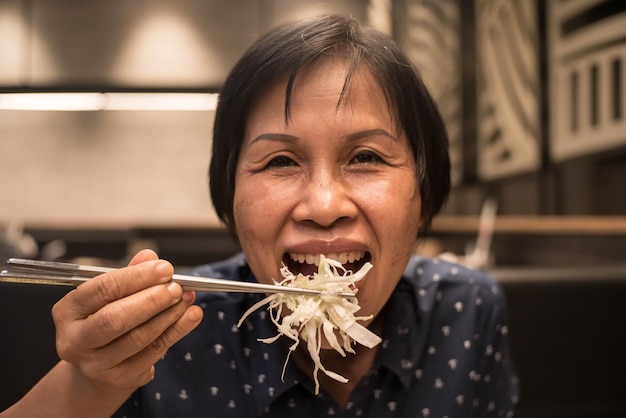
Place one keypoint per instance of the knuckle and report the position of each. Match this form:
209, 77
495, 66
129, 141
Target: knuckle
159, 346
61, 312
64, 349
68, 346
111, 320
148, 376
143, 378
108, 290
56, 312
169, 335
139, 376
139, 338
158, 299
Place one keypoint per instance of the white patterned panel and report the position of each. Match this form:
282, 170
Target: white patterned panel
433, 45
508, 117
598, 47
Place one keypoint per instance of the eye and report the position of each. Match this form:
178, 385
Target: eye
366, 157
280, 161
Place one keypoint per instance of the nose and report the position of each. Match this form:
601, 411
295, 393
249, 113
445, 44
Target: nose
325, 200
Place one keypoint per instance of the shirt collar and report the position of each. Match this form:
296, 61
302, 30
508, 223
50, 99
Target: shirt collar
402, 347
403, 342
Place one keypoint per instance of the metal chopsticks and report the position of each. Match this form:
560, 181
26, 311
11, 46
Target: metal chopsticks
21, 270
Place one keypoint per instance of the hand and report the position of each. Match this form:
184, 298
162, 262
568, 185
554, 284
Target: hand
114, 327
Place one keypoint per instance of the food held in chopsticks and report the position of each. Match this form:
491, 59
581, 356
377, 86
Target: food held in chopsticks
311, 317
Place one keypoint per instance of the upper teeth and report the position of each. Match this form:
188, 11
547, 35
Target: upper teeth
343, 258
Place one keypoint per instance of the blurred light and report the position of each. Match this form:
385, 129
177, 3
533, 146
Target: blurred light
108, 101
160, 101
51, 101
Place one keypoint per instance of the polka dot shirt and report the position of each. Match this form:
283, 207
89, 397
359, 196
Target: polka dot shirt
444, 354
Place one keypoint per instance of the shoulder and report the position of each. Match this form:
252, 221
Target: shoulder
425, 270
436, 280
233, 268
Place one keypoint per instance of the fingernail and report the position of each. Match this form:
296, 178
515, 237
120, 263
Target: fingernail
175, 290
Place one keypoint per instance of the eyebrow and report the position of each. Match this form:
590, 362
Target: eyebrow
275, 137
350, 137
370, 132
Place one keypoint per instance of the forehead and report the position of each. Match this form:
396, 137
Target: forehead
324, 82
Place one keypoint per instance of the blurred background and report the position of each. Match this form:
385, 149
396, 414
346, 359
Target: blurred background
106, 112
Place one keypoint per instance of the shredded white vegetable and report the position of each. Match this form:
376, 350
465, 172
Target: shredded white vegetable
328, 314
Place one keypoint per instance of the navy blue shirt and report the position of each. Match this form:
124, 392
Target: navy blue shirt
444, 354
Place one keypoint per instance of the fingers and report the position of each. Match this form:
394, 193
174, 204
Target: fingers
153, 352
96, 293
114, 327
146, 307
130, 358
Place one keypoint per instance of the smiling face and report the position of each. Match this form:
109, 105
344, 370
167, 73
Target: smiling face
339, 181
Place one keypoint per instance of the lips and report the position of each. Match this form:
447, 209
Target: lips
307, 264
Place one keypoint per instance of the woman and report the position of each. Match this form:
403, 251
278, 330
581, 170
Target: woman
326, 142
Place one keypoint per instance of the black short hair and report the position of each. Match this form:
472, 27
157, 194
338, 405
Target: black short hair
282, 53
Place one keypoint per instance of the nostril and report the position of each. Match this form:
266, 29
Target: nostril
325, 206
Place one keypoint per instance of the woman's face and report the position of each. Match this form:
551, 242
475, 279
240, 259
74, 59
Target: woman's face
339, 181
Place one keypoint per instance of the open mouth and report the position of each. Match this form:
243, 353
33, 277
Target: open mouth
307, 264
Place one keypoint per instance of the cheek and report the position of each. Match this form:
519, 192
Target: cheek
253, 232
412, 212
244, 204
397, 213
258, 214
396, 203
252, 203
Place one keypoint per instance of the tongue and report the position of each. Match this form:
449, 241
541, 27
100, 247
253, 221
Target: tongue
307, 269
353, 267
